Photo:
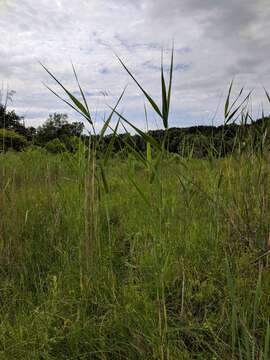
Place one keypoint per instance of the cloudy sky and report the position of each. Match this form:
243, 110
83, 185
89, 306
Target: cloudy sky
215, 41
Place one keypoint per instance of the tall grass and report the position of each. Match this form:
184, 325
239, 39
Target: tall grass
152, 257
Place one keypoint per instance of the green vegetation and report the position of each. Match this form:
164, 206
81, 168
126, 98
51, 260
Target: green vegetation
9, 120
139, 255
57, 134
10, 139
56, 127
175, 277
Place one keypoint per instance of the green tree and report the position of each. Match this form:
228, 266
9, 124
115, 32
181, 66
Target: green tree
11, 121
57, 127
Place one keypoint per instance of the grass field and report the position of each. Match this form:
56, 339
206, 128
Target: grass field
163, 270
143, 256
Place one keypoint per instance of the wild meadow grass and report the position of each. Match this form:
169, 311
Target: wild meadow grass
155, 256
178, 278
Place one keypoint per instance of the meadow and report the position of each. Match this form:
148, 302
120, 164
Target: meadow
150, 255
177, 275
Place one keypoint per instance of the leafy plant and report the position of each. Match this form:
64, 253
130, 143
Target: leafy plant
55, 146
11, 140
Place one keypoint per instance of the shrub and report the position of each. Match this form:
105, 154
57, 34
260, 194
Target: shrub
72, 143
9, 139
55, 146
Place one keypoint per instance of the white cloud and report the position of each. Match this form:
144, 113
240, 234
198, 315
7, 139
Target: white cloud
214, 41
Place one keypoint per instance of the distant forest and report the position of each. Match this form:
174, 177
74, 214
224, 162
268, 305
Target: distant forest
57, 134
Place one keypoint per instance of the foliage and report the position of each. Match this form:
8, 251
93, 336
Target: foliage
11, 121
195, 141
55, 146
57, 126
108, 256
150, 292
9, 139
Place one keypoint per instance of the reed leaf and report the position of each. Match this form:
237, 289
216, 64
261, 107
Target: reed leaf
75, 101
145, 136
148, 97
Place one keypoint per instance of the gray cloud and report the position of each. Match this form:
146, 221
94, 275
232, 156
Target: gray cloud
214, 41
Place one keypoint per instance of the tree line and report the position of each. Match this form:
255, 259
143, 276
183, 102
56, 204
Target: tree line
58, 134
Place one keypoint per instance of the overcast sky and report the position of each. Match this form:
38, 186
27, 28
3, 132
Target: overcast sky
215, 40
